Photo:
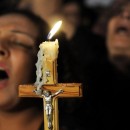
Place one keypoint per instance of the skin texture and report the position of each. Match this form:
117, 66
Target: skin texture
19, 70
17, 61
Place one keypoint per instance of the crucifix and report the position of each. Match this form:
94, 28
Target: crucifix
47, 86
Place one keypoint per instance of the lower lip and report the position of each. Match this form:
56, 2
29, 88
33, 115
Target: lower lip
3, 83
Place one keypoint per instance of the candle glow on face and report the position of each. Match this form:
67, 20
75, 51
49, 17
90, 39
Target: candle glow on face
54, 30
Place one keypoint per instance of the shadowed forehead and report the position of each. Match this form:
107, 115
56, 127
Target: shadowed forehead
18, 23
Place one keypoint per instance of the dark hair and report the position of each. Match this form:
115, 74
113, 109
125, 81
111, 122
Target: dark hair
113, 10
8, 4
40, 24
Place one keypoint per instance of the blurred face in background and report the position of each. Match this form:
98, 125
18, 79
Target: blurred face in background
118, 39
17, 40
71, 12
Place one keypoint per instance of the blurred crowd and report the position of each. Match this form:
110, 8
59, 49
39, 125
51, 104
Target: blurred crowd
94, 49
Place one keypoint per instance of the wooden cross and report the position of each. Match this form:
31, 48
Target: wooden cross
53, 87
69, 90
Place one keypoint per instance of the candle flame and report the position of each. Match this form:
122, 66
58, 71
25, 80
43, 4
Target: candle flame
54, 30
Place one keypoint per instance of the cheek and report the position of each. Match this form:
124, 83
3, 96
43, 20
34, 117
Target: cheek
110, 30
23, 67
110, 34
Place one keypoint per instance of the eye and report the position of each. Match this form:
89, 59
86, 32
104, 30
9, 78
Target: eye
21, 45
14, 43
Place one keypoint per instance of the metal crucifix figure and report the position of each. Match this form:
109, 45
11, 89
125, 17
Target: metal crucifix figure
48, 105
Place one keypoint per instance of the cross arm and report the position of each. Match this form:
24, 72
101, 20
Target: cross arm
70, 90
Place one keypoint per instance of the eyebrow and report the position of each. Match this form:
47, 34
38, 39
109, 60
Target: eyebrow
15, 31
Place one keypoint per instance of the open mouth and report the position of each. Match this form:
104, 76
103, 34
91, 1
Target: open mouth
121, 58
3, 74
123, 30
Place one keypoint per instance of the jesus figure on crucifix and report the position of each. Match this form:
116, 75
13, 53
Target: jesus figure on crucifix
48, 107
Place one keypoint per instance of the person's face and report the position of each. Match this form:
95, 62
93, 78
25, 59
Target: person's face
72, 13
118, 38
17, 38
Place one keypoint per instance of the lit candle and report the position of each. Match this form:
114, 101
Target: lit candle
47, 60
50, 50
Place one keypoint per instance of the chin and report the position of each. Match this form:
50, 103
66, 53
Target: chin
121, 63
8, 103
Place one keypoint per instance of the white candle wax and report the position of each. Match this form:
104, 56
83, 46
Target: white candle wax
50, 49
47, 62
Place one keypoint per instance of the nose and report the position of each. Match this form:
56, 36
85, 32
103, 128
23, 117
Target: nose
126, 14
4, 51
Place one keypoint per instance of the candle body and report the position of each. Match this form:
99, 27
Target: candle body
50, 55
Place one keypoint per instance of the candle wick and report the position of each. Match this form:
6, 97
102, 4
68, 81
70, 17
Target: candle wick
48, 37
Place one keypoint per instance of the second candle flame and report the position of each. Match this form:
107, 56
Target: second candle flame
54, 30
